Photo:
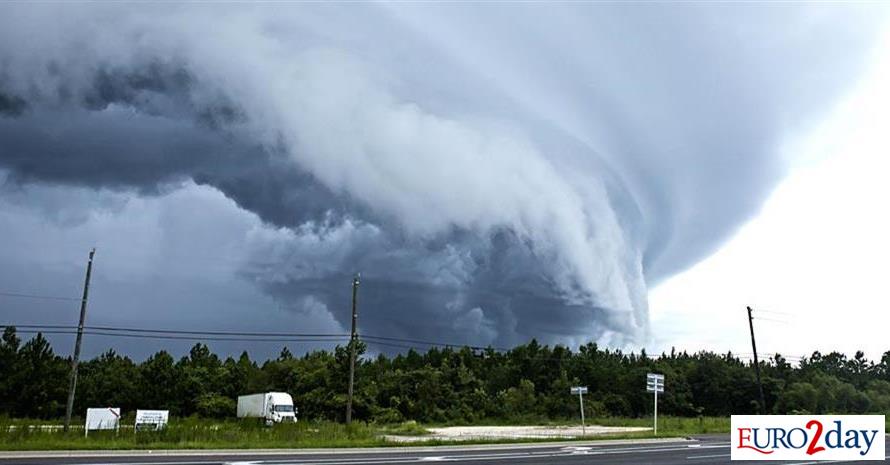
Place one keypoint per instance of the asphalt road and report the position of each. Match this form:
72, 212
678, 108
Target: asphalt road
704, 450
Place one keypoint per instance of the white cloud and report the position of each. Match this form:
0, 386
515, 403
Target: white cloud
818, 252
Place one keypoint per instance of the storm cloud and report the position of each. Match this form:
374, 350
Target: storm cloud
496, 172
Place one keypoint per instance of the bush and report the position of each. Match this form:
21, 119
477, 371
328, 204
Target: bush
215, 406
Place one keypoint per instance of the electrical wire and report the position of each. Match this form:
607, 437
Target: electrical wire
279, 337
186, 338
36, 296
210, 333
376, 339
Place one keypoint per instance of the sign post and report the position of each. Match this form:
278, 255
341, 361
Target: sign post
581, 390
655, 384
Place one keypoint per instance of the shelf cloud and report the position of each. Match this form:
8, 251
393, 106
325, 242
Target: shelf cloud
495, 172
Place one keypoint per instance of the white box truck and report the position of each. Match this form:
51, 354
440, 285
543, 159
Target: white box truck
273, 407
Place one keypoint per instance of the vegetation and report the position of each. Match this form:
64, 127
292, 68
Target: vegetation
528, 384
194, 433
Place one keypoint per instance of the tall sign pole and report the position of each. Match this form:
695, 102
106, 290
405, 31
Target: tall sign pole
352, 341
756, 363
72, 386
581, 390
655, 416
655, 384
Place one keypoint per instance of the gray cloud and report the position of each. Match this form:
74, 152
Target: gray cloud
496, 172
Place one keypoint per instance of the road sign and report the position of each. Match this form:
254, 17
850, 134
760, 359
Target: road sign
579, 390
655, 384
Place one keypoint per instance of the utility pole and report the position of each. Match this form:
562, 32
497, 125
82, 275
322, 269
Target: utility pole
76, 358
353, 340
756, 363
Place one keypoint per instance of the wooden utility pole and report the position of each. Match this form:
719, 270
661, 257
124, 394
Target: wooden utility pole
756, 363
353, 340
76, 358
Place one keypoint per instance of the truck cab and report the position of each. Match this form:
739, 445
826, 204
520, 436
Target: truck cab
280, 407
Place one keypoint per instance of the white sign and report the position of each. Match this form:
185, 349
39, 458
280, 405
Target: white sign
578, 390
654, 382
151, 419
807, 437
103, 418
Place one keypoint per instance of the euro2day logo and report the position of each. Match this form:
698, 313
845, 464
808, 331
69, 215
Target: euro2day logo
809, 437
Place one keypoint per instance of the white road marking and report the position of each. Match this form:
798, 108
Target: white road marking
713, 456
577, 450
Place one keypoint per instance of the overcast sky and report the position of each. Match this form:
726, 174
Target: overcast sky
633, 175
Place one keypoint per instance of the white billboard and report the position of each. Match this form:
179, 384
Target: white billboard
151, 419
103, 418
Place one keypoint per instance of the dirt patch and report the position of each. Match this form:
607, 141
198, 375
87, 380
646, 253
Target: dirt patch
469, 433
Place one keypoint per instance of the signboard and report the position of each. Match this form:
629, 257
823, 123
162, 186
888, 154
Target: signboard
151, 419
809, 438
578, 390
654, 382
102, 418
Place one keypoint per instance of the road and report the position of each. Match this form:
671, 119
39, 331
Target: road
703, 450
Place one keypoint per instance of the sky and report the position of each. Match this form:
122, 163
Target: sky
631, 175
812, 263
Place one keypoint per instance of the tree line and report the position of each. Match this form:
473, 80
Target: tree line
528, 382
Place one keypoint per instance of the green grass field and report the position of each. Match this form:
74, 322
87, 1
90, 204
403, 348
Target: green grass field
193, 433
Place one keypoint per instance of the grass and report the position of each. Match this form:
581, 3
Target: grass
192, 433
407, 428
666, 424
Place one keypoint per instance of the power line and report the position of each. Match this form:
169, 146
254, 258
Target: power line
153, 331
211, 333
774, 313
215, 335
116, 329
771, 320
429, 343
184, 338
36, 296
38, 327
398, 346
71, 330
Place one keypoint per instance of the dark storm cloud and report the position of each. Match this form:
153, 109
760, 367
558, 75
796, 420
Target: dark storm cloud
11, 105
496, 172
